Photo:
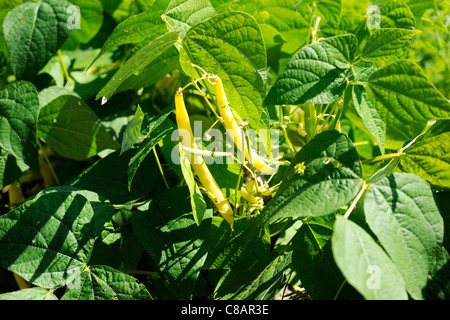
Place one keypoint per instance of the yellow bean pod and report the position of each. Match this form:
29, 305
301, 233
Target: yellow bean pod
236, 132
197, 162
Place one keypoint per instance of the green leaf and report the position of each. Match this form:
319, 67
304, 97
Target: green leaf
364, 263
316, 74
177, 245
35, 293
429, 159
108, 177
137, 63
369, 115
403, 94
245, 247
323, 176
133, 130
386, 42
137, 27
105, 283
198, 203
231, 46
34, 31
49, 240
49, 94
396, 14
159, 128
312, 258
181, 15
72, 129
281, 26
262, 283
19, 107
401, 211
160, 67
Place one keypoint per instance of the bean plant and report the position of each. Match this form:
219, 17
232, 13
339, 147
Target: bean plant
224, 149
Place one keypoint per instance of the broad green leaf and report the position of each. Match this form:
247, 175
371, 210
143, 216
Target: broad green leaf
159, 127
131, 134
403, 94
400, 209
90, 19
181, 15
396, 14
262, 283
137, 27
160, 67
245, 247
34, 31
386, 42
49, 94
284, 30
108, 177
290, 28
231, 46
438, 287
72, 129
316, 74
137, 63
106, 283
176, 244
369, 115
429, 159
364, 263
419, 7
323, 176
103, 210
49, 240
313, 260
198, 204
19, 107
35, 293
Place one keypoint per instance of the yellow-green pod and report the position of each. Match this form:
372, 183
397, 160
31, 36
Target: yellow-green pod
236, 132
197, 162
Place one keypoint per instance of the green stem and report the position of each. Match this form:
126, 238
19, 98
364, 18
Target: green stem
63, 66
340, 289
357, 198
206, 99
44, 154
283, 128
160, 167
310, 121
383, 157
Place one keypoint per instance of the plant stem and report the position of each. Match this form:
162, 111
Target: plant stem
310, 121
383, 157
283, 128
44, 154
340, 289
160, 167
66, 73
206, 99
357, 198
